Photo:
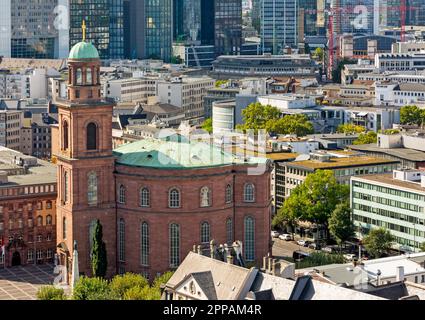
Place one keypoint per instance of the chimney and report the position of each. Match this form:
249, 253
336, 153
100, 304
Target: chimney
273, 267
400, 273
265, 264
194, 248
230, 259
199, 249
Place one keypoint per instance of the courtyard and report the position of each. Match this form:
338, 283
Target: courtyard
23, 282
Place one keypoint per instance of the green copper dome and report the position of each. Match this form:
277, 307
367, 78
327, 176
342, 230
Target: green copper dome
83, 50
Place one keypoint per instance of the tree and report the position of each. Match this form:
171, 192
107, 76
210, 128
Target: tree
422, 247
297, 124
350, 128
256, 116
120, 284
341, 226
142, 293
319, 53
176, 60
378, 241
207, 125
315, 199
219, 83
162, 279
288, 214
366, 138
98, 253
93, 289
50, 293
412, 115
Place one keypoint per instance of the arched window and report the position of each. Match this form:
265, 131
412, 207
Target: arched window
205, 197
91, 136
174, 198
121, 194
79, 76
144, 244
65, 186
92, 227
49, 220
39, 221
92, 188
229, 193
249, 193
174, 237
249, 245
144, 197
95, 76
205, 232
65, 133
229, 231
121, 240
89, 76
64, 228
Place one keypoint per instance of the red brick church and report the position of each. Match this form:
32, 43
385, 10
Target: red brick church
155, 198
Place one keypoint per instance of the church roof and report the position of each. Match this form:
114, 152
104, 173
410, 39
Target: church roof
83, 50
168, 154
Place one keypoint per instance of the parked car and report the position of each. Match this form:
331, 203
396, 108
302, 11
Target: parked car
303, 243
328, 249
274, 234
286, 237
349, 257
298, 255
314, 246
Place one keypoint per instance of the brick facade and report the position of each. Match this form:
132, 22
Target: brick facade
76, 162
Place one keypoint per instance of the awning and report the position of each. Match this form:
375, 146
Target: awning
362, 114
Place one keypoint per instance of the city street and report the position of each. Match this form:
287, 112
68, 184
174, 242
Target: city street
282, 248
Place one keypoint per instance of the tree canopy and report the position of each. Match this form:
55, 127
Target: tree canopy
350, 128
257, 117
341, 226
207, 125
366, 138
314, 200
378, 241
412, 115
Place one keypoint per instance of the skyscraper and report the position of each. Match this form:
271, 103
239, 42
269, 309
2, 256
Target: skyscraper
278, 25
228, 26
27, 30
354, 16
105, 25
194, 21
151, 29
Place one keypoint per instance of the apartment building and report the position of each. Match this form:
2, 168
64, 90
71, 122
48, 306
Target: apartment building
131, 90
395, 202
399, 94
343, 164
27, 209
186, 93
10, 127
400, 61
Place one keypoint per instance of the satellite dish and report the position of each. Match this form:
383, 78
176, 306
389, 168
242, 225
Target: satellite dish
302, 157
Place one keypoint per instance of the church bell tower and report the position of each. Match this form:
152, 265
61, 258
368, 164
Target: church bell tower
83, 153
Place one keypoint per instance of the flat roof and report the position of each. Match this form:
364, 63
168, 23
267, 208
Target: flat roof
395, 183
344, 162
402, 153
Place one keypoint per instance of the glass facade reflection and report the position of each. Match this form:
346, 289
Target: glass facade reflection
104, 20
228, 26
159, 29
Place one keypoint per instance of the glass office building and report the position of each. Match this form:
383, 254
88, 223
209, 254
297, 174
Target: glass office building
228, 26
105, 25
159, 29
279, 25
